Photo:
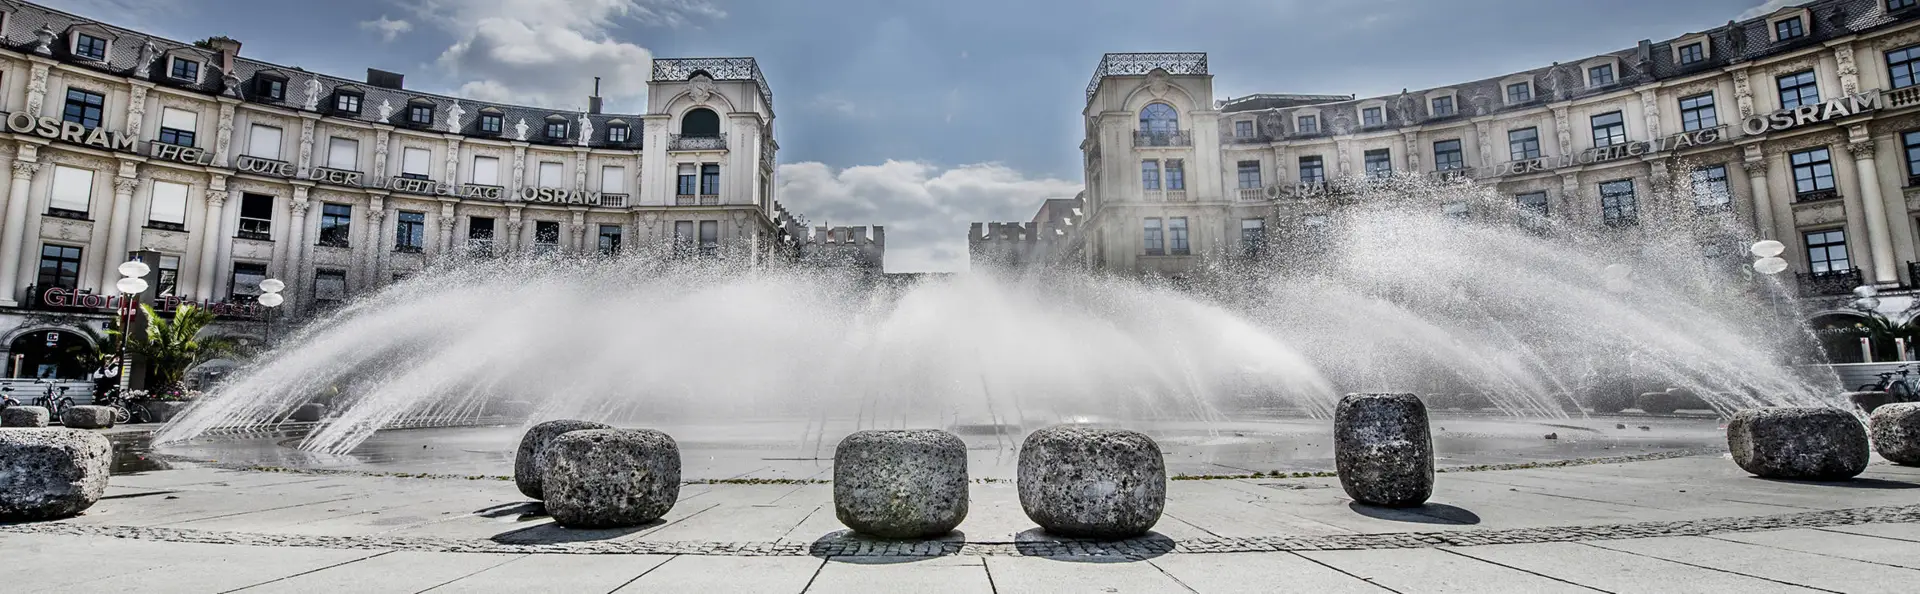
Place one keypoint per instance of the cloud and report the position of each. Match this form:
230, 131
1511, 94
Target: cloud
546, 52
925, 208
1768, 7
387, 28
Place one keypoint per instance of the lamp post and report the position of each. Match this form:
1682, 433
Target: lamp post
271, 298
131, 285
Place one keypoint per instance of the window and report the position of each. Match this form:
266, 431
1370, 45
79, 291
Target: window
1788, 28
1600, 76
184, 69
480, 236
420, 115
1372, 116
1902, 66
1155, 244
1609, 129
709, 238
1826, 252
1150, 174
617, 134
1912, 142
1519, 92
410, 232
343, 153
1693, 53
256, 217
687, 180
415, 162
546, 237
271, 88
1249, 172
1313, 169
59, 267
169, 276
72, 192
1710, 192
683, 238
84, 107
177, 126
490, 123
1798, 89
335, 222
1243, 129
552, 175
1448, 156
245, 284
1697, 113
609, 240
613, 179
264, 142
1253, 236
329, 288
1177, 236
700, 122
1379, 163
1309, 124
344, 102
1893, 5
710, 179
1455, 210
167, 209
1442, 106
1524, 143
1176, 174
1617, 203
486, 170
557, 129
1159, 119
1532, 206
1812, 174
90, 47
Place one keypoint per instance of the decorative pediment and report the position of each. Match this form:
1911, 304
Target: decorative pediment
700, 86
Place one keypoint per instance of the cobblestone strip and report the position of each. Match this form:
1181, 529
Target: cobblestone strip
1134, 548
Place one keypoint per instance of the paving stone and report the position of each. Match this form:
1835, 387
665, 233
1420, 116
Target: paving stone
1257, 573
1092, 576
403, 572
1615, 571
1803, 569
1436, 571
557, 573
920, 575
697, 574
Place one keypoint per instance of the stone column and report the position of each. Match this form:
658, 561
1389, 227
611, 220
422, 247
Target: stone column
296, 273
1762, 203
210, 246
118, 230
378, 240
37, 87
14, 231
449, 220
513, 232
1879, 236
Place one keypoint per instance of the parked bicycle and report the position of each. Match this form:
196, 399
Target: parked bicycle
6, 398
1897, 387
124, 410
55, 399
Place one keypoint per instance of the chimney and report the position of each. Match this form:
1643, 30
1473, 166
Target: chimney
1645, 53
593, 101
228, 48
386, 80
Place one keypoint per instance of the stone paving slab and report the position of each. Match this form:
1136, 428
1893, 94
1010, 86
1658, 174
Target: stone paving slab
715, 575
1261, 573
400, 572
1614, 571
921, 575
1422, 571
556, 573
1822, 572
1069, 575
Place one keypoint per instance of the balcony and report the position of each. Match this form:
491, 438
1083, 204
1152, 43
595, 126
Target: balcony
1906, 97
613, 200
697, 143
1837, 282
1255, 139
1452, 175
1815, 196
1253, 194
1162, 138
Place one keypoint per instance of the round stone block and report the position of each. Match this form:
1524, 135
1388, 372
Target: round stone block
900, 484
526, 463
1896, 432
161, 412
87, 417
1869, 401
1092, 482
51, 473
1811, 443
610, 478
1383, 449
1657, 403
1440, 401
310, 412
24, 416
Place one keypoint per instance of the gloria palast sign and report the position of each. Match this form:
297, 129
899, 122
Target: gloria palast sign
1616, 152
1787, 119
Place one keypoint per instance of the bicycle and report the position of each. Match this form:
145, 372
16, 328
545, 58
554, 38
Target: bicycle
124, 410
55, 405
6, 398
1897, 387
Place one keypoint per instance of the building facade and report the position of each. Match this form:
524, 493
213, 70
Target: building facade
229, 171
1802, 126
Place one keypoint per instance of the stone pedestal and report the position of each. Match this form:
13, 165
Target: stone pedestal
900, 484
87, 417
51, 473
1895, 429
610, 478
1383, 449
310, 412
526, 462
1092, 483
1798, 443
1657, 403
25, 416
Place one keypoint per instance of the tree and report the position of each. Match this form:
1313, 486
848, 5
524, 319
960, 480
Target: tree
170, 347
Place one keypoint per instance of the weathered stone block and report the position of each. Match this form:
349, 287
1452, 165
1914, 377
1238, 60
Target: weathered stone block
610, 478
1895, 430
527, 470
1810, 443
1657, 403
87, 417
25, 416
310, 412
1869, 401
900, 484
161, 412
1383, 449
51, 473
1092, 482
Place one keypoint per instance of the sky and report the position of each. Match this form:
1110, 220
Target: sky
920, 116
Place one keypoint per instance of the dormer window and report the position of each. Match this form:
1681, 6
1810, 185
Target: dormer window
1600, 76
271, 87
490, 120
183, 69
89, 47
419, 113
347, 102
1373, 116
1520, 92
1442, 106
1788, 28
617, 133
556, 128
1693, 53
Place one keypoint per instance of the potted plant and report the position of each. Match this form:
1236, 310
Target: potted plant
172, 346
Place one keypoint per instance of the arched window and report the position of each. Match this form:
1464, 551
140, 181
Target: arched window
1159, 118
700, 122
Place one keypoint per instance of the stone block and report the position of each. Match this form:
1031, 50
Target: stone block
1657, 403
161, 412
1808, 443
526, 462
25, 416
310, 412
610, 478
900, 484
51, 473
1869, 401
1895, 429
1474, 401
1383, 449
1440, 401
1092, 482
87, 417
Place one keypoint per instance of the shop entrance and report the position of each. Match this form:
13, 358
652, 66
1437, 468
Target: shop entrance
51, 354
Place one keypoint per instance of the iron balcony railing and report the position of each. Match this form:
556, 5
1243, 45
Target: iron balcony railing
1163, 138
1836, 282
1816, 196
680, 142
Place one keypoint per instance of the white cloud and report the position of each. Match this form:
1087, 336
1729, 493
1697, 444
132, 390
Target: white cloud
926, 209
387, 28
546, 52
1768, 7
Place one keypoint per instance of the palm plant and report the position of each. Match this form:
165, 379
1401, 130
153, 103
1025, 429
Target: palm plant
171, 346
1881, 332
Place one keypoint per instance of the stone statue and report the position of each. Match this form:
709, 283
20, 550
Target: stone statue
144, 65
43, 41
520, 129
453, 117
313, 94
386, 110
586, 129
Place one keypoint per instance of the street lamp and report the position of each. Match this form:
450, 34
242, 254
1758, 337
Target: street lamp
131, 285
271, 298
